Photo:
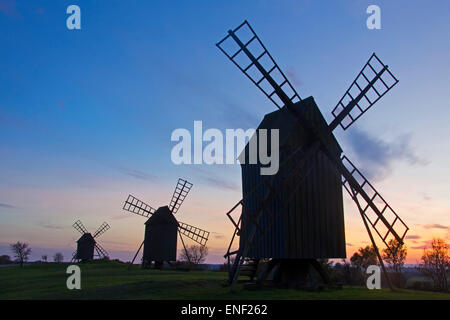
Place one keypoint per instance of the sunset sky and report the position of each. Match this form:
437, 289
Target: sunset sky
86, 115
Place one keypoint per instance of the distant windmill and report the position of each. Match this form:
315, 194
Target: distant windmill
161, 227
87, 244
295, 217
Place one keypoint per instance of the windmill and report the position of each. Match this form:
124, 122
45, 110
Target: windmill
87, 243
296, 216
161, 227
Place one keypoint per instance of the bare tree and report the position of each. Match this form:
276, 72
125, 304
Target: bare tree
21, 252
395, 255
44, 258
194, 254
58, 257
435, 264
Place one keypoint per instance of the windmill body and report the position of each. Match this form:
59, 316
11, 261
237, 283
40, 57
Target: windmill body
160, 239
162, 228
87, 245
311, 224
295, 216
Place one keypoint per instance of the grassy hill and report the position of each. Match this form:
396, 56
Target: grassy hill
112, 280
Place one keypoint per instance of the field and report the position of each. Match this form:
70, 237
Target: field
112, 280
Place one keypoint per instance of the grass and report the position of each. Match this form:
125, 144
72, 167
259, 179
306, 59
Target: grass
112, 280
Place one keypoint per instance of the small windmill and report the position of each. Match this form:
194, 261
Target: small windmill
296, 216
161, 227
87, 243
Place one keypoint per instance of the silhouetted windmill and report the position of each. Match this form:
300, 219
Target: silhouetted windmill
161, 227
87, 243
296, 216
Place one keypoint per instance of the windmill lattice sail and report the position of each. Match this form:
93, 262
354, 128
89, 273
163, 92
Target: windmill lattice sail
198, 235
78, 225
244, 48
134, 205
100, 251
101, 230
395, 223
179, 194
373, 81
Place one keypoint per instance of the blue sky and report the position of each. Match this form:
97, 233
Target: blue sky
86, 115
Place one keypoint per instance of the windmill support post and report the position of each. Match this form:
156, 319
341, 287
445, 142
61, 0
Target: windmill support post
184, 246
134, 258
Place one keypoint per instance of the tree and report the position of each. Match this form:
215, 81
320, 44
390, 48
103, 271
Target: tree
435, 264
395, 255
360, 260
364, 257
58, 257
44, 258
194, 254
21, 252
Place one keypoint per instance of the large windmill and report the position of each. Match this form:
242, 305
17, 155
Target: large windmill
87, 243
161, 227
296, 216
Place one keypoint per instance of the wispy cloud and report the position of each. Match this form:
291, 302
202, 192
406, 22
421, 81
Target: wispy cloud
377, 156
218, 235
214, 180
138, 174
413, 237
7, 206
51, 226
435, 226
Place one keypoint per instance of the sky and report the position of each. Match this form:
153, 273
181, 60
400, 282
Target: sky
86, 115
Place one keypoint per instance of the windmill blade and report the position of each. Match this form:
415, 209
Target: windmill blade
372, 82
373, 206
100, 251
134, 205
244, 48
78, 225
198, 235
101, 230
179, 194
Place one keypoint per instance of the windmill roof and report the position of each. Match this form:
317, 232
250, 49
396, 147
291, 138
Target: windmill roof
286, 123
87, 237
162, 216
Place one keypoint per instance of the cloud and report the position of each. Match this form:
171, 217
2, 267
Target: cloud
8, 7
435, 226
122, 216
377, 156
51, 226
217, 235
349, 244
413, 237
137, 174
418, 247
214, 180
7, 206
